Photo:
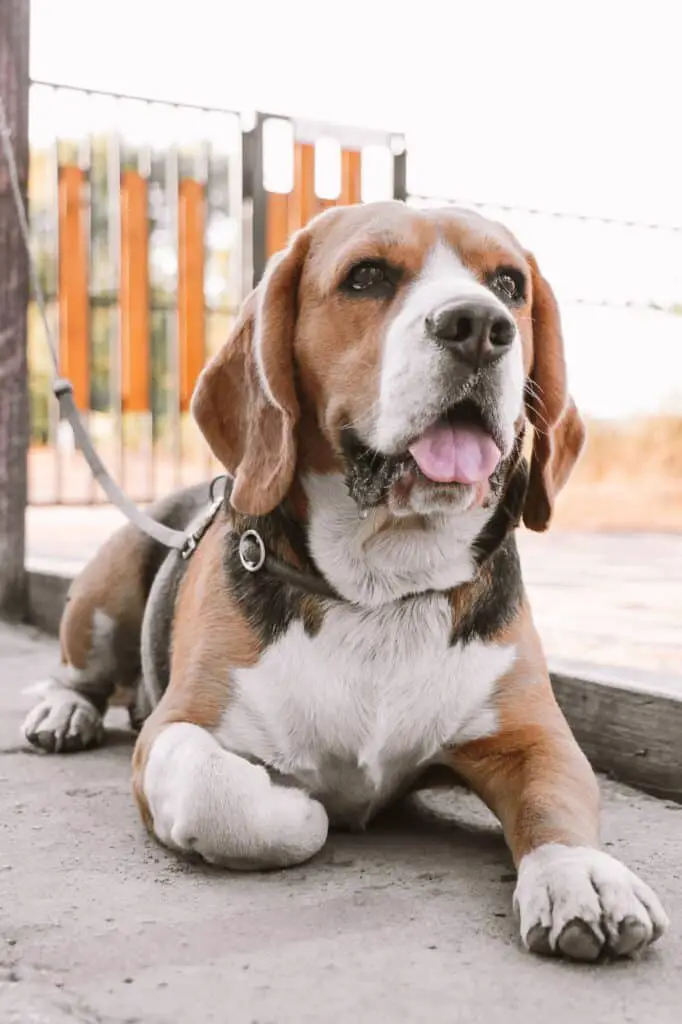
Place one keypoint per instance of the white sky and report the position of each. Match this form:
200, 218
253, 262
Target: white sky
570, 105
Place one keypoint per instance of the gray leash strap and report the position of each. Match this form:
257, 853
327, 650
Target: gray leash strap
63, 389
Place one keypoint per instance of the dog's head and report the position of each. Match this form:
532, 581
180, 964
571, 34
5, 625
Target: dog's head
403, 348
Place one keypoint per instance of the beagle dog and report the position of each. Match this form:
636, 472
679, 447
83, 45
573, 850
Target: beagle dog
354, 614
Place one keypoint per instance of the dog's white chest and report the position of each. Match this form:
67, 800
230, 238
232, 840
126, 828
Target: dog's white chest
354, 712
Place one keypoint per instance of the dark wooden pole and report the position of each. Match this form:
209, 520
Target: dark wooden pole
14, 416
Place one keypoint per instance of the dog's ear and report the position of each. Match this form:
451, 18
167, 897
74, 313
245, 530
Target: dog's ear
245, 401
558, 430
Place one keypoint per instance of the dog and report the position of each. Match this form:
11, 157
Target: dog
354, 613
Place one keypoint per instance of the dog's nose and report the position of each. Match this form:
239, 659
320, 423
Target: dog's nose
475, 331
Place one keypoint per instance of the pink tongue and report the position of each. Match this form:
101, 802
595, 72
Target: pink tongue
454, 453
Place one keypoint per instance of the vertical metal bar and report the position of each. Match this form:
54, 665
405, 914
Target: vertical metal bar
253, 190
238, 270
207, 153
115, 324
400, 175
134, 294
160, 316
277, 206
145, 170
85, 163
54, 407
172, 185
191, 256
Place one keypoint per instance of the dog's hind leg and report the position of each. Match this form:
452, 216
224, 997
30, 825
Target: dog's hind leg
99, 638
100, 635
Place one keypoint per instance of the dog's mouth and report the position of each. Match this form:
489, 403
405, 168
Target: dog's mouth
461, 449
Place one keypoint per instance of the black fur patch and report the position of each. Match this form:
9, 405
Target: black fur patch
369, 474
481, 609
507, 514
270, 605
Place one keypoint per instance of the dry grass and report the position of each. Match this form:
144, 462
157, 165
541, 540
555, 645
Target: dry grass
645, 447
629, 478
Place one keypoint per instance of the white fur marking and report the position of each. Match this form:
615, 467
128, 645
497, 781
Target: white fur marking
353, 713
373, 567
416, 372
511, 377
559, 885
206, 800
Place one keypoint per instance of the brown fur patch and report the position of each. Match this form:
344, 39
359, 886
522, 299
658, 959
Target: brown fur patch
531, 773
113, 583
210, 638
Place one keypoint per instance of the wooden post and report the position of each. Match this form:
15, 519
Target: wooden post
14, 415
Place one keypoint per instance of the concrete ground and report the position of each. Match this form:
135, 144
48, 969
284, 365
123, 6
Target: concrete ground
409, 922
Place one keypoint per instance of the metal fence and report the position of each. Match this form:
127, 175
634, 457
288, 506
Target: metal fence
150, 220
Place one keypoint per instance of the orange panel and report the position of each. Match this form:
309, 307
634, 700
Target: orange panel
277, 222
134, 296
73, 284
190, 286
350, 176
304, 202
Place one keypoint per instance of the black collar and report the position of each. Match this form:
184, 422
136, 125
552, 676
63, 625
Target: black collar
255, 557
253, 554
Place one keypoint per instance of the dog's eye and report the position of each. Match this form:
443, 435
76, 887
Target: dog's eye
509, 284
369, 277
366, 275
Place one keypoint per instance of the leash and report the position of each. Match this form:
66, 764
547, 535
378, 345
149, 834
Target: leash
63, 388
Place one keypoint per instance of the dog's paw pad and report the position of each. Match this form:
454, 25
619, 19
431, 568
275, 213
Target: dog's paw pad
578, 941
537, 940
632, 936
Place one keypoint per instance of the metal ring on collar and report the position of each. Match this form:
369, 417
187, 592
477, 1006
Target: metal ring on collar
250, 563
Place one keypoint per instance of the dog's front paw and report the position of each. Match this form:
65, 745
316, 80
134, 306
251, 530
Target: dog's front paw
208, 801
62, 722
579, 902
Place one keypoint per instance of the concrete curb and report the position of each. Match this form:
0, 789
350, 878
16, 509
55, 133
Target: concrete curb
629, 723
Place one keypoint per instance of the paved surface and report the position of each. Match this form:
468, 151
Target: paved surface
410, 922
609, 599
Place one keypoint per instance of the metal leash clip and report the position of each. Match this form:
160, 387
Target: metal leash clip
192, 539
